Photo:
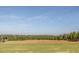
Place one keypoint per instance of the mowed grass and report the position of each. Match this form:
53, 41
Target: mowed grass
38, 47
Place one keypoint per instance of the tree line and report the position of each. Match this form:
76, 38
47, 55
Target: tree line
73, 36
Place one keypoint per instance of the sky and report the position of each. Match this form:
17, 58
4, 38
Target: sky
44, 20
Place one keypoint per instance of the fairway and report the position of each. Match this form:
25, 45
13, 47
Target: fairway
39, 46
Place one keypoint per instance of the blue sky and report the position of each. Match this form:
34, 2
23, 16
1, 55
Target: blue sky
39, 20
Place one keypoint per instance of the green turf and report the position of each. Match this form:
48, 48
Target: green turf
40, 48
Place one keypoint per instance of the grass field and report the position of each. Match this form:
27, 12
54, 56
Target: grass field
39, 46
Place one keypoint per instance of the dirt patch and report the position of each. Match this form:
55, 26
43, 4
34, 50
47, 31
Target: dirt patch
36, 42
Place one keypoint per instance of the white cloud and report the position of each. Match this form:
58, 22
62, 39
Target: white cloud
17, 24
